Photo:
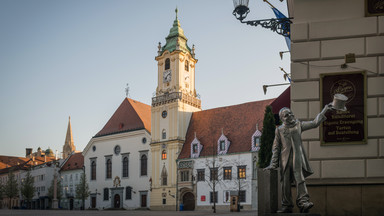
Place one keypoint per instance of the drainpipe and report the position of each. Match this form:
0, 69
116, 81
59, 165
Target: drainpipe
177, 183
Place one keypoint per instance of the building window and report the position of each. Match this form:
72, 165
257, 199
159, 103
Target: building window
222, 145
242, 197
241, 172
201, 175
186, 65
164, 134
194, 148
109, 169
227, 173
164, 201
93, 170
164, 155
167, 64
128, 193
184, 176
164, 176
125, 167
143, 165
213, 197
256, 141
213, 175
106, 194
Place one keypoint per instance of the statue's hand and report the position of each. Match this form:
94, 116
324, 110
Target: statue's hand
270, 167
326, 108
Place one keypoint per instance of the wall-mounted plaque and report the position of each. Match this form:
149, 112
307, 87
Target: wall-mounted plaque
344, 127
374, 7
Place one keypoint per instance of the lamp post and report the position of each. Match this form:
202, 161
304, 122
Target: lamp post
279, 25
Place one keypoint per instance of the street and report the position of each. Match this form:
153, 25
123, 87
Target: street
119, 212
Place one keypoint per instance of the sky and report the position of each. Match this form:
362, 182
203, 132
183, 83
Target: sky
75, 57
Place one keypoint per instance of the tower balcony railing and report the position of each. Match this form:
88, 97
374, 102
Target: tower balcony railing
176, 96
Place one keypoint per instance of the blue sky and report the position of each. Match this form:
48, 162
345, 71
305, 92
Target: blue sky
75, 57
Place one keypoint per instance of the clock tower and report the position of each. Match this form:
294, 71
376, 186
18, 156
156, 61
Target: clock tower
172, 107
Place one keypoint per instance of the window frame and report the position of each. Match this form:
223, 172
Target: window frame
167, 64
201, 175
164, 155
106, 194
143, 165
93, 170
213, 174
242, 172
213, 197
227, 173
108, 170
128, 193
125, 163
184, 175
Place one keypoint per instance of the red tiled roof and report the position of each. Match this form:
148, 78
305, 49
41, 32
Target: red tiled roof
238, 123
131, 115
9, 161
284, 100
75, 161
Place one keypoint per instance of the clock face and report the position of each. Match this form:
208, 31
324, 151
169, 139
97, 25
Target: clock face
164, 114
167, 76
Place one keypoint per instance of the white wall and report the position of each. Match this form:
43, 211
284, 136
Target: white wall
129, 142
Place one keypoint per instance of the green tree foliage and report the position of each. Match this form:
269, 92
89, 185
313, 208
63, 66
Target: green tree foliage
59, 189
11, 188
267, 137
82, 189
27, 188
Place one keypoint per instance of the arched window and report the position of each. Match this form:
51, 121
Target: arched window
164, 176
109, 169
143, 167
164, 155
125, 167
164, 134
167, 64
186, 65
93, 170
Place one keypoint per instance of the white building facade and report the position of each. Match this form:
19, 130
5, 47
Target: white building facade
117, 160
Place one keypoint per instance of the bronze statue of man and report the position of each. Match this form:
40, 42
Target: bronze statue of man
289, 155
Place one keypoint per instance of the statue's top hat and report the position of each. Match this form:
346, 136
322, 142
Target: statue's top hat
339, 101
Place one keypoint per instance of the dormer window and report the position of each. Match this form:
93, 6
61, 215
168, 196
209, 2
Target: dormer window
167, 64
196, 148
223, 145
256, 139
186, 65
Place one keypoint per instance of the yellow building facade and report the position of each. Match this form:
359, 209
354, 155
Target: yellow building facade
172, 107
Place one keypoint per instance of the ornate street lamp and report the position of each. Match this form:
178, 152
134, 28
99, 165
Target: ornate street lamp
279, 25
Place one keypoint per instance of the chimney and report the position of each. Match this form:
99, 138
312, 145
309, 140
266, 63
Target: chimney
28, 152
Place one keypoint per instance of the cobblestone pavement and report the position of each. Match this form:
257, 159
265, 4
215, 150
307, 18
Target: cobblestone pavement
118, 213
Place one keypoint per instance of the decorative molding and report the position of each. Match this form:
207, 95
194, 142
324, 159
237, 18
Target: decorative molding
185, 164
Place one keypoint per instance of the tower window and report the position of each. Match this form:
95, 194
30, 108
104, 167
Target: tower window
164, 134
186, 65
164, 155
167, 64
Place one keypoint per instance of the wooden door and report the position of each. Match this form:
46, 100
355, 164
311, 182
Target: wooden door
144, 200
117, 201
189, 201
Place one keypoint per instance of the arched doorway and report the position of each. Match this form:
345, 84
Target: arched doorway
117, 201
189, 201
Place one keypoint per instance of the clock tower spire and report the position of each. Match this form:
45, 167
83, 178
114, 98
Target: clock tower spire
172, 107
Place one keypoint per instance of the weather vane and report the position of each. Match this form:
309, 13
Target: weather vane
127, 90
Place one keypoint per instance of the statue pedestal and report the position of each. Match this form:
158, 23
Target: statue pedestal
268, 190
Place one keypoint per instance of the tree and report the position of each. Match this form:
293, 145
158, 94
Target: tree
11, 188
267, 137
59, 190
27, 188
82, 189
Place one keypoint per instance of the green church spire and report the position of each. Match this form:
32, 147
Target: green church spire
176, 39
